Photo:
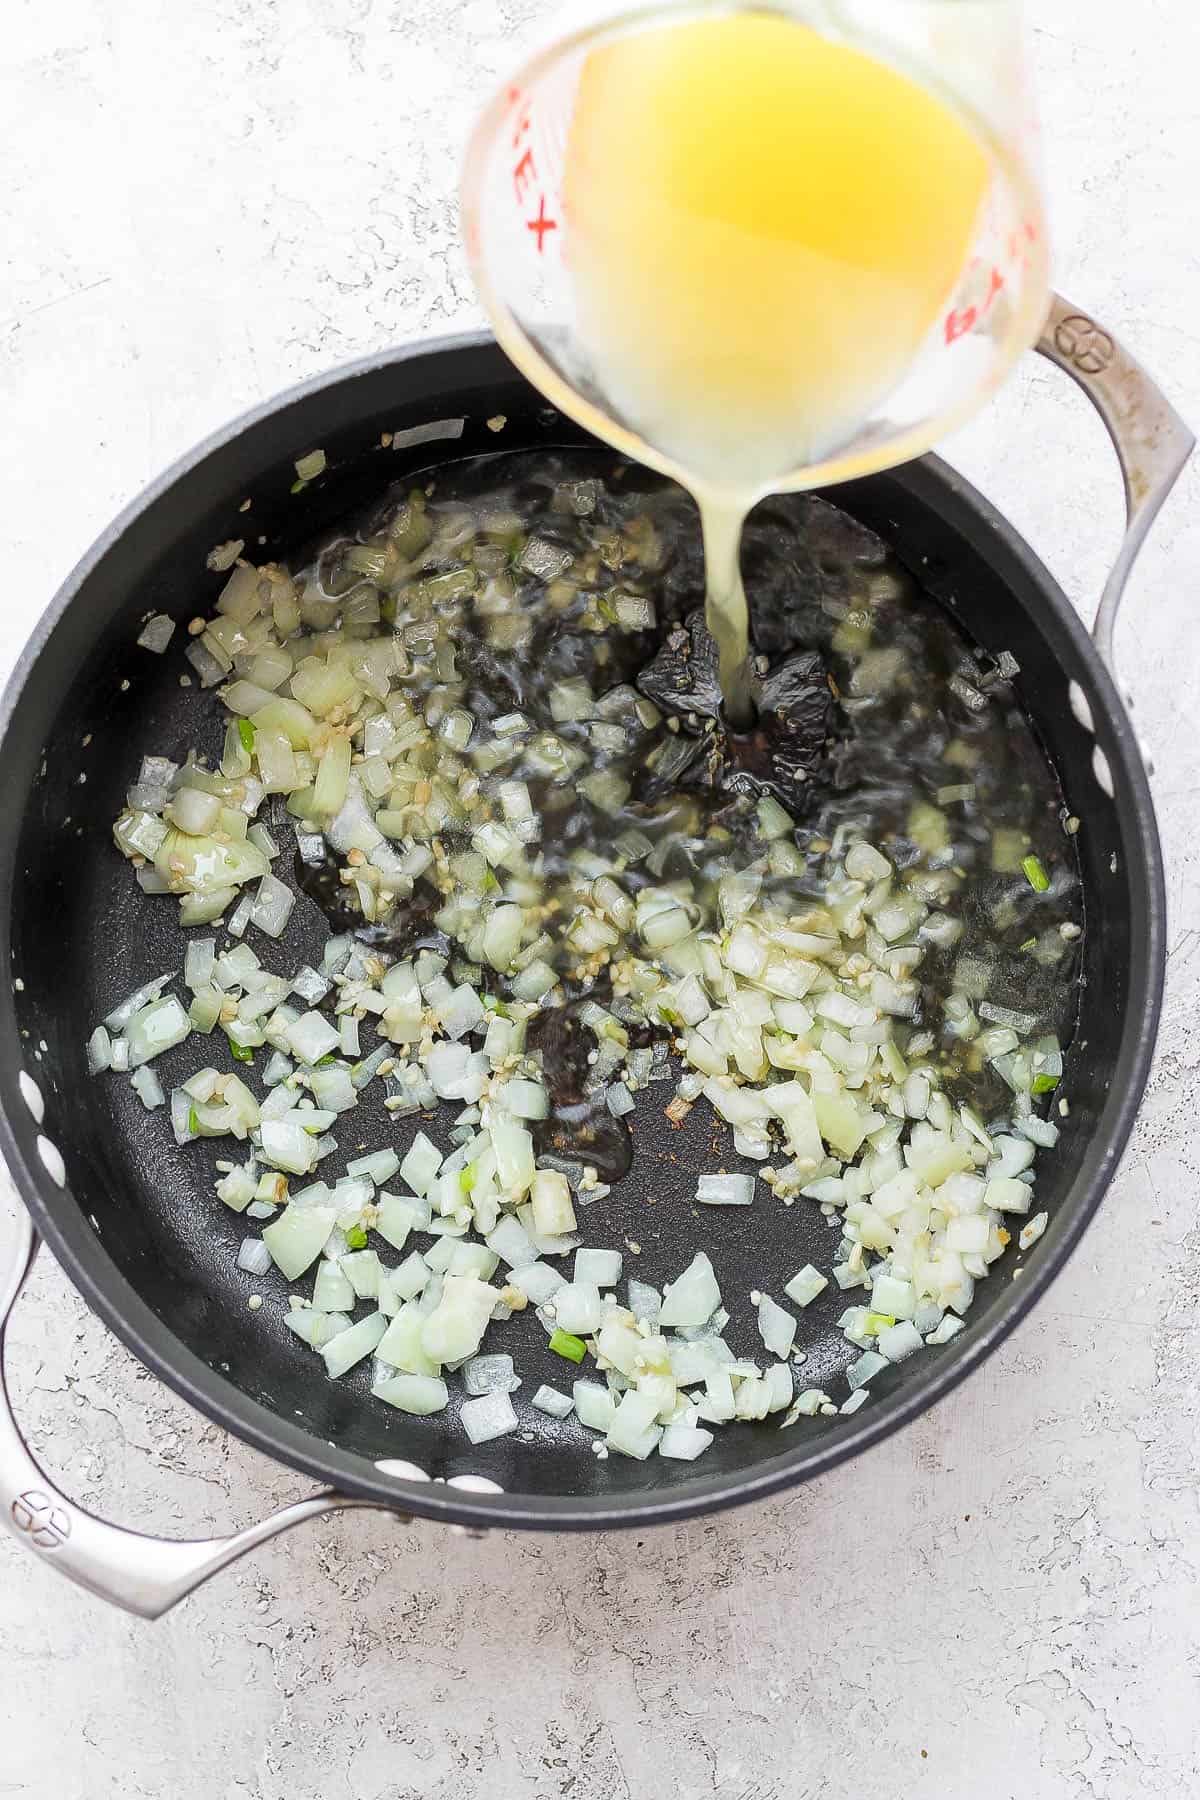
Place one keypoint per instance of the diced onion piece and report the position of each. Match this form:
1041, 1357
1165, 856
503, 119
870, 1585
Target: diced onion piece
550, 1400
310, 465
725, 1190
1039, 1131
141, 997
333, 1090
361, 1269
272, 906
695, 1361
692, 1298
157, 633
1006, 1194
571, 699
968, 1234
333, 775
598, 1268
776, 1327
490, 1417
667, 927
619, 1343
148, 1088
490, 1375
899, 1341
411, 1277
417, 1394
864, 863
194, 811
773, 820
253, 1256
595, 1406
868, 1365
633, 1430
236, 1190
156, 1028
719, 1403
312, 1037
525, 1099
550, 1196
893, 1297
537, 1281
456, 1326
804, 1286
332, 1290
502, 936
512, 1244
534, 982
421, 1164
288, 1146
349, 1347
297, 1238
811, 1401
461, 1013
577, 1308
401, 1344
1013, 1156
779, 1385
239, 918
378, 1167
198, 963
645, 1302
315, 1328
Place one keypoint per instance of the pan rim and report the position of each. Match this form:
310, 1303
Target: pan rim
110, 1295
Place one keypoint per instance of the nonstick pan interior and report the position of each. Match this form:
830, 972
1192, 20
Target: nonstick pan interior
137, 1211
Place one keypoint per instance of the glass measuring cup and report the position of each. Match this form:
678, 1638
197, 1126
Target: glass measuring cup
526, 234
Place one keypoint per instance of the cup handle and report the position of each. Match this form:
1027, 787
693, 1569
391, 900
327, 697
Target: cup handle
1151, 440
144, 1575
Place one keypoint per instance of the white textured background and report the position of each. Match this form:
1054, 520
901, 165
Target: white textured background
201, 201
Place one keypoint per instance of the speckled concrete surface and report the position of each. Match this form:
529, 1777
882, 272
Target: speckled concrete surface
199, 204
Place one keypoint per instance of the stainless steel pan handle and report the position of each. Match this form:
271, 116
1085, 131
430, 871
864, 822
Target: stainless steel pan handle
148, 1575
145, 1575
1151, 440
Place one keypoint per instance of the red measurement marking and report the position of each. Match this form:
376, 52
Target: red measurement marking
541, 224
959, 323
524, 175
522, 122
965, 319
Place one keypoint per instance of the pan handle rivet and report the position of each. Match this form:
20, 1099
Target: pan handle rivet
1081, 707
474, 1484
31, 1094
52, 1162
403, 1471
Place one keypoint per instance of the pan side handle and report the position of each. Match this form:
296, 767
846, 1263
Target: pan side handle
1151, 440
144, 1575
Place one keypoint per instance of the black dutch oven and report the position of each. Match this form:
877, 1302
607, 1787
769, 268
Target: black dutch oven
115, 1204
